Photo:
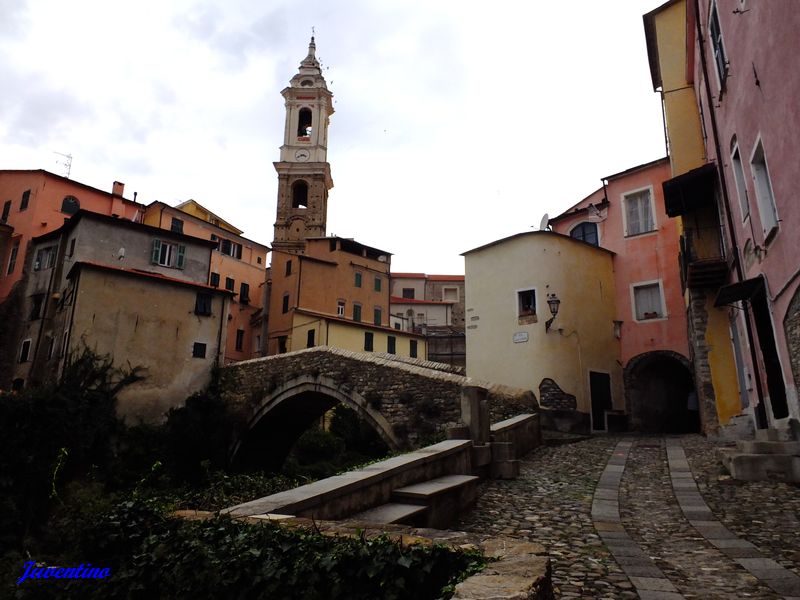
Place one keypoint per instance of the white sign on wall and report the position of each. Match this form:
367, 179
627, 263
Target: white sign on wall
520, 337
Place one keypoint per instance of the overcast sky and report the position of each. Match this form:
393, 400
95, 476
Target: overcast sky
456, 123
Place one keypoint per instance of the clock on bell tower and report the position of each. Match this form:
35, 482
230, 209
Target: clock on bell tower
304, 175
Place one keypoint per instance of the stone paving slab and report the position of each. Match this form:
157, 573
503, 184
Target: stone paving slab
552, 503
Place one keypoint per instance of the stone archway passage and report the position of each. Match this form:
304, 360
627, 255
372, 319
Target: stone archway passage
657, 386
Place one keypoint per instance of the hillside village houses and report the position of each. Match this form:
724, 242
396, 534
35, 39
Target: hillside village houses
677, 278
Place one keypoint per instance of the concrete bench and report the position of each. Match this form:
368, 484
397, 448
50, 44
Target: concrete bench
446, 497
392, 512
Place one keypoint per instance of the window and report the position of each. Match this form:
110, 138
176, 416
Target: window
12, 258
177, 225
37, 302
717, 47
586, 232
70, 205
244, 293
258, 259
368, 341
377, 284
202, 304
168, 255
391, 344
526, 303
64, 341
358, 279
310, 335
738, 175
214, 280
300, 194
51, 346
408, 293
285, 305
288, 267
71, 251
6, 210
282, 344
764, 196
25, 351
647, 301
304, 123
198, 350
450, 294
413, 348
638, 213
239, 339
230, 284
230, 248
376, 316
340, 308
23, 204
356, 312
45, 258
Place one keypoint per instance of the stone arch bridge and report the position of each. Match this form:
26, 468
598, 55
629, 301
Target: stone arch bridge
407, 401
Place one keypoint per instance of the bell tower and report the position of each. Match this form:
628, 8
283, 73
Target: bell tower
304, 175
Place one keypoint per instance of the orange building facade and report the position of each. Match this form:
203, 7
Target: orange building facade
37, 202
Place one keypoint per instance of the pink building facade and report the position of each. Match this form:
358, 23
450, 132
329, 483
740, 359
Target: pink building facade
744, 54
627, 217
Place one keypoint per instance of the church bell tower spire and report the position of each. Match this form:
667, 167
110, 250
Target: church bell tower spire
304, 175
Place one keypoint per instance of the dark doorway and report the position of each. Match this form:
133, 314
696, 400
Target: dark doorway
657, 386
769, 354
600, 391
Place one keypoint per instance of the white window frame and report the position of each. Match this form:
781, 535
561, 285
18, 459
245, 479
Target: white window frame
740, 180
576, 225
29, 343
340, 307
639, 284
624, 201
448, 288
721, 77
765, 194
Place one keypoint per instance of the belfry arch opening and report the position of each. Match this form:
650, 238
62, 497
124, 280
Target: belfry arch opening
281, 423
300, 194
304, 123
657, 394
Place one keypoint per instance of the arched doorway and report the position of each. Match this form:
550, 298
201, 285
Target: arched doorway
657, 386
290, 410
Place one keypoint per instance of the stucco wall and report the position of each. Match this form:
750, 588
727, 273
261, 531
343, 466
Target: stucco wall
581, 338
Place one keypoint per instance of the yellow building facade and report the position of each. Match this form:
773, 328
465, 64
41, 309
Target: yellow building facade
509, 340
671, 58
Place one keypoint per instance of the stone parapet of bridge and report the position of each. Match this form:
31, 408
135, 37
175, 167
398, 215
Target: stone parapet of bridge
408, 402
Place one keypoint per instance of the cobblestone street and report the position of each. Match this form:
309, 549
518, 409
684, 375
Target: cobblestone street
648, 517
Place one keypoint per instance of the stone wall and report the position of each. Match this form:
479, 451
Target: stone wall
552, 396
791, 325
698, 346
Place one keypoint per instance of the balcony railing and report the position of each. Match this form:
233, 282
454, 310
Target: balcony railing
702, 260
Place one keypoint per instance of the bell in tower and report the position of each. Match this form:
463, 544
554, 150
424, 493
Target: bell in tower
304, 175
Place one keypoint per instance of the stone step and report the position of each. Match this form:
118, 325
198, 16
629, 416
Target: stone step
758, 447
391, 512
422, 492
446, 497
774, 435
761, 467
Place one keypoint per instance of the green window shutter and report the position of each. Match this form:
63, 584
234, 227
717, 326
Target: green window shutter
181, 256
156, 252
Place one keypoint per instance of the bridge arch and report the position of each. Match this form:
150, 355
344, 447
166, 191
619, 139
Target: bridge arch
282, 415
657, 386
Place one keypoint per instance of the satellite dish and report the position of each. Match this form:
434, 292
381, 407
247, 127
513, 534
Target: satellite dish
545, 222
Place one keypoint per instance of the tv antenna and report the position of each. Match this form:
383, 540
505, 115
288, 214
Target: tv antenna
66, 163
544, 223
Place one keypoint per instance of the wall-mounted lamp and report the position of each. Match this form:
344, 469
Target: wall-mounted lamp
552, 303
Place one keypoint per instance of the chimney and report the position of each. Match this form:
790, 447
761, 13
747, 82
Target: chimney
117, 188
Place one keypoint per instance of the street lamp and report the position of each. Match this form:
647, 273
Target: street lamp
552, 303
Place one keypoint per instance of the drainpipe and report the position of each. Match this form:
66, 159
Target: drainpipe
726, 203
